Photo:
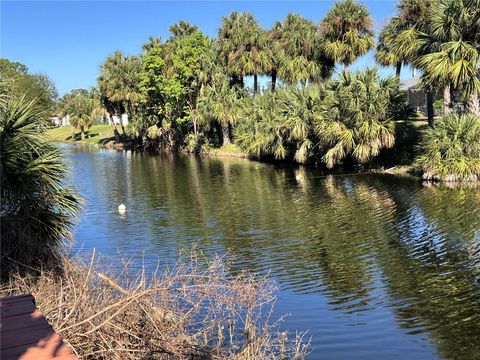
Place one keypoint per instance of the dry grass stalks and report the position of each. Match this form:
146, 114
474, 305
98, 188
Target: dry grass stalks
192, 310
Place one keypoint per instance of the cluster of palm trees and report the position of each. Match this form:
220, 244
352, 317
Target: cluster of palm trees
190, 91
350, 117
442, 39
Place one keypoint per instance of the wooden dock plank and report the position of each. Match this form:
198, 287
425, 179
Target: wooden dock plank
26, 334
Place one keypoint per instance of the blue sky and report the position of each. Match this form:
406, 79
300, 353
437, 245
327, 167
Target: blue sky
68, 40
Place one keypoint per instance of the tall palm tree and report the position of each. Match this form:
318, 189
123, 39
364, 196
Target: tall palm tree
414, 18
119, 82
385, 54
84, 107
300, 58
347, 32
182, 28
449, 50
245, 46
219, 105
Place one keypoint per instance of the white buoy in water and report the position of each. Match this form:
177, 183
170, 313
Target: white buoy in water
122, 208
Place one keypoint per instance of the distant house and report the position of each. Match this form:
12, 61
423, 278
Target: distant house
117, 119
416, 96
61, 121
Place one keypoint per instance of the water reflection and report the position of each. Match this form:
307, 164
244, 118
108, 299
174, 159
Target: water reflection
372, 255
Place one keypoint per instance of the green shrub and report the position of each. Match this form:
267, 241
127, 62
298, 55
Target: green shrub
451, 150
36, 210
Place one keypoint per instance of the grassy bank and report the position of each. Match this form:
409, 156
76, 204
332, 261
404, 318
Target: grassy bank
97, 134
229, 150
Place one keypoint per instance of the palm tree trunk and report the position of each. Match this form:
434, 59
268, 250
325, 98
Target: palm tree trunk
82, 133
226, 134
114, 127
346, 68
195, 127
255, 84
447, 99
398, 69
124, 134
474, 104
274, 79
430, 109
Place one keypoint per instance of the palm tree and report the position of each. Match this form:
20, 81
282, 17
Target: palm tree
385, 54
300, 59
245, 47
261, 131
119, 82
356, 119
449, 50
347, 32
451, 151
219, 105
182, 28
84, 107
280, 124
36, 210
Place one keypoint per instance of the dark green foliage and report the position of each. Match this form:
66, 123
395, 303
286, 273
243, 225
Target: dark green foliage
36, 87
349, 118
451, 150
36, 210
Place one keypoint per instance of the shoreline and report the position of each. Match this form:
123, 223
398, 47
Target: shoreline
400, 170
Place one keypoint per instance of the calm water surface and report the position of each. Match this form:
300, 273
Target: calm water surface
374, 266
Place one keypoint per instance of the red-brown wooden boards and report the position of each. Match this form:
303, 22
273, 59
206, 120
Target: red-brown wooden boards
26, 334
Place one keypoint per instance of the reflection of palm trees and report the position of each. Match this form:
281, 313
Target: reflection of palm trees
361, 241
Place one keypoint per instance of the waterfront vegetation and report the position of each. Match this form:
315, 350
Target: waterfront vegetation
274, 92
189, 310
269, 94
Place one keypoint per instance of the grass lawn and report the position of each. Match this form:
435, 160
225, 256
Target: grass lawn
228, 150
97, 134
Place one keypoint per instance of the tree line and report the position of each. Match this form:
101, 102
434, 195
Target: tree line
190, 91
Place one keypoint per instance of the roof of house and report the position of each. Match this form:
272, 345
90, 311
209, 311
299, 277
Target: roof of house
409, 84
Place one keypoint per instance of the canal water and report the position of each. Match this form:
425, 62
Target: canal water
374, 266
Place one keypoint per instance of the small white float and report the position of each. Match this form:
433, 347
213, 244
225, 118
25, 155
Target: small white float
122, 208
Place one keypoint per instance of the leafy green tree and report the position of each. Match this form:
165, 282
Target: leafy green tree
347, 32
36, 87
171, 82
36, 209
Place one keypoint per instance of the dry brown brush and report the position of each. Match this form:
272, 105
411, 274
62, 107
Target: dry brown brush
192, 310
